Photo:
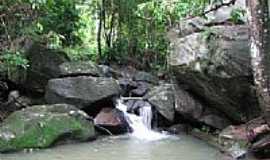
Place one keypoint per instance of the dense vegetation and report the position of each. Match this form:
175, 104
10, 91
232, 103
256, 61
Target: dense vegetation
122, 31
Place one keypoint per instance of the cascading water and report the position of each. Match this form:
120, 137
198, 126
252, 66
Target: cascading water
141, 125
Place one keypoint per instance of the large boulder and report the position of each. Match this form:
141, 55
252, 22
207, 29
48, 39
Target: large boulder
44, 65
81, 91
216, 67
80, 68
113, 120
226, 12
192, 109
162, 97
42, 126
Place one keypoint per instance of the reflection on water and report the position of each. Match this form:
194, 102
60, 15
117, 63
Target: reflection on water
124, 148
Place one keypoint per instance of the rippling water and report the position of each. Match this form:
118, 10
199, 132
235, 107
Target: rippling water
124, 148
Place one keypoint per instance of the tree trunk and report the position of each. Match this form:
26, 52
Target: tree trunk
260, 51
99, 33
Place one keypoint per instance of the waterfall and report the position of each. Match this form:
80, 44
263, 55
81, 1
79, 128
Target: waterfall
141, 125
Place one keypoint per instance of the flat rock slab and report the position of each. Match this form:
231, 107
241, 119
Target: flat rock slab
81, 91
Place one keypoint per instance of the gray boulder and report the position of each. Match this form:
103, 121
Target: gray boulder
216, 66
162, 98
81, 91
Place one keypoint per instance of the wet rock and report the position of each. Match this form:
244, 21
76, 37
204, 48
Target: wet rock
83, 68
262, 145
216, 66
126, 86
135, 105
234, 140
44, 125
81, 91
113, 120
141, 90
44, 65
162, 98
179, 129
145, 77
215, 121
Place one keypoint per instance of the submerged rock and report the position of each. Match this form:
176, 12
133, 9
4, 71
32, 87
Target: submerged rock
42, 126
179, 129
83, 68
113, 120
81, 91
216, 66
162, 98
215, 121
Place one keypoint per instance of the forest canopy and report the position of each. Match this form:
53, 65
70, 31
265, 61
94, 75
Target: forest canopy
99, 30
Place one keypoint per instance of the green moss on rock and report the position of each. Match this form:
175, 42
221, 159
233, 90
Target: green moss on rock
41, 126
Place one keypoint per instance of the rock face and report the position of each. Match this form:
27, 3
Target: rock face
192, 109
42, 126
113, 120
81, 91
44, 65
162, 97
216, 66
84, 68
187, 106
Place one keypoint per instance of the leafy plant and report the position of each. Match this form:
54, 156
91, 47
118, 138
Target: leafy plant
14, 60
13, 65
237, 15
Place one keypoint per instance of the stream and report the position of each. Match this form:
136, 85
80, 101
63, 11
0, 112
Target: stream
142, 144
124, 147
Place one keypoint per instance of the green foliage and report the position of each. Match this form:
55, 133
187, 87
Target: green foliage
237, 15
128, 28
81, 53
13, 65
13, 60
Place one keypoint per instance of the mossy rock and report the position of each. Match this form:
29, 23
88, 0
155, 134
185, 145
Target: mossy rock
43, 125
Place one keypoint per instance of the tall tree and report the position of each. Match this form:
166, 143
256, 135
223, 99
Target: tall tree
259, 21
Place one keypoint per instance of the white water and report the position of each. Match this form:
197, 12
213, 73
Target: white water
141, 125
